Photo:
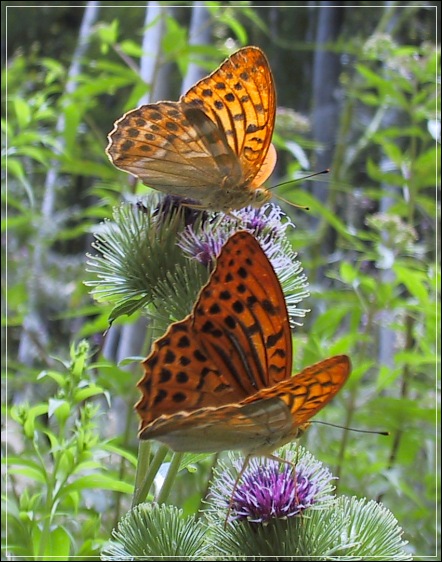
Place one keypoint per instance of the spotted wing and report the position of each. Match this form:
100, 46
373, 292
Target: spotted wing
310, 390
236, 341
173, 148
240, 97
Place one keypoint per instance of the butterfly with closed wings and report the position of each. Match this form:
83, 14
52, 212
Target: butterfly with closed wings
220, 379
213, 146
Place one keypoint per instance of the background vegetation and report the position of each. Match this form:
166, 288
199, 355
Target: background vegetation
357, 92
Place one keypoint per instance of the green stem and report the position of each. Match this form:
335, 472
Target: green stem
47, 523
170, 477
123, 464
146, 472
350, 410
50, 479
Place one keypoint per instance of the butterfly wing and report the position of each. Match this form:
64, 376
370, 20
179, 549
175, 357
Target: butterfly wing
236, 341
172, 149
310, 390
241, 317
214, 145
260, 423
240, 97
229, 427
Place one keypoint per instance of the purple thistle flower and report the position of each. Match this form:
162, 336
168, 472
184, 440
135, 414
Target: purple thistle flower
263, 220
142, 256
271, 490
204, 245
268, 492
266, 223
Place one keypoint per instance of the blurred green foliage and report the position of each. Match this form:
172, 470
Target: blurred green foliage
380, 284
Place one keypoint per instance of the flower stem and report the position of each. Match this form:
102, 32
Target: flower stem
146, 472
170, 477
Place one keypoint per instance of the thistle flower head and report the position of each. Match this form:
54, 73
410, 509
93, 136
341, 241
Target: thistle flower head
142, 259
269, 489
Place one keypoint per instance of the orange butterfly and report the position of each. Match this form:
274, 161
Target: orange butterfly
213, 145
221, 378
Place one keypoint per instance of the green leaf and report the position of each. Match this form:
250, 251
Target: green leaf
128, 307
124, 453
415, 281
131, 360
15, 167
56, 376
328, 323
99, 481
86, 466
348, 273
41, 155
318, 209
73, 115
34, 412
108, 32
61, 408
35, 474
230, 18
189, 460
84, 393
59, 544
175, 36
55, 70
131, 48
23, 461
22, 111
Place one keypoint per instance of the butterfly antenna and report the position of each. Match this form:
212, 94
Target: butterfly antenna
326, 171
352, 428
303, 207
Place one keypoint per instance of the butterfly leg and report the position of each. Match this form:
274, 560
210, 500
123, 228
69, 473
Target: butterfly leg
293, 464
235, 486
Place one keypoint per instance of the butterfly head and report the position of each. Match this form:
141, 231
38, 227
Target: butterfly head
260, 196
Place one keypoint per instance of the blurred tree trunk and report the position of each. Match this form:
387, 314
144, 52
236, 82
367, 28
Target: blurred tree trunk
200, 33
35, 331
150, 63
325, 110
128, 340
131, 337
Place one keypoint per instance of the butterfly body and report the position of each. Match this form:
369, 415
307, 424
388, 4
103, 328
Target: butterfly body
221, 378
213, 145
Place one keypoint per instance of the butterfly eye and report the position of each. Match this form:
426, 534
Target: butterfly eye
260, 196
